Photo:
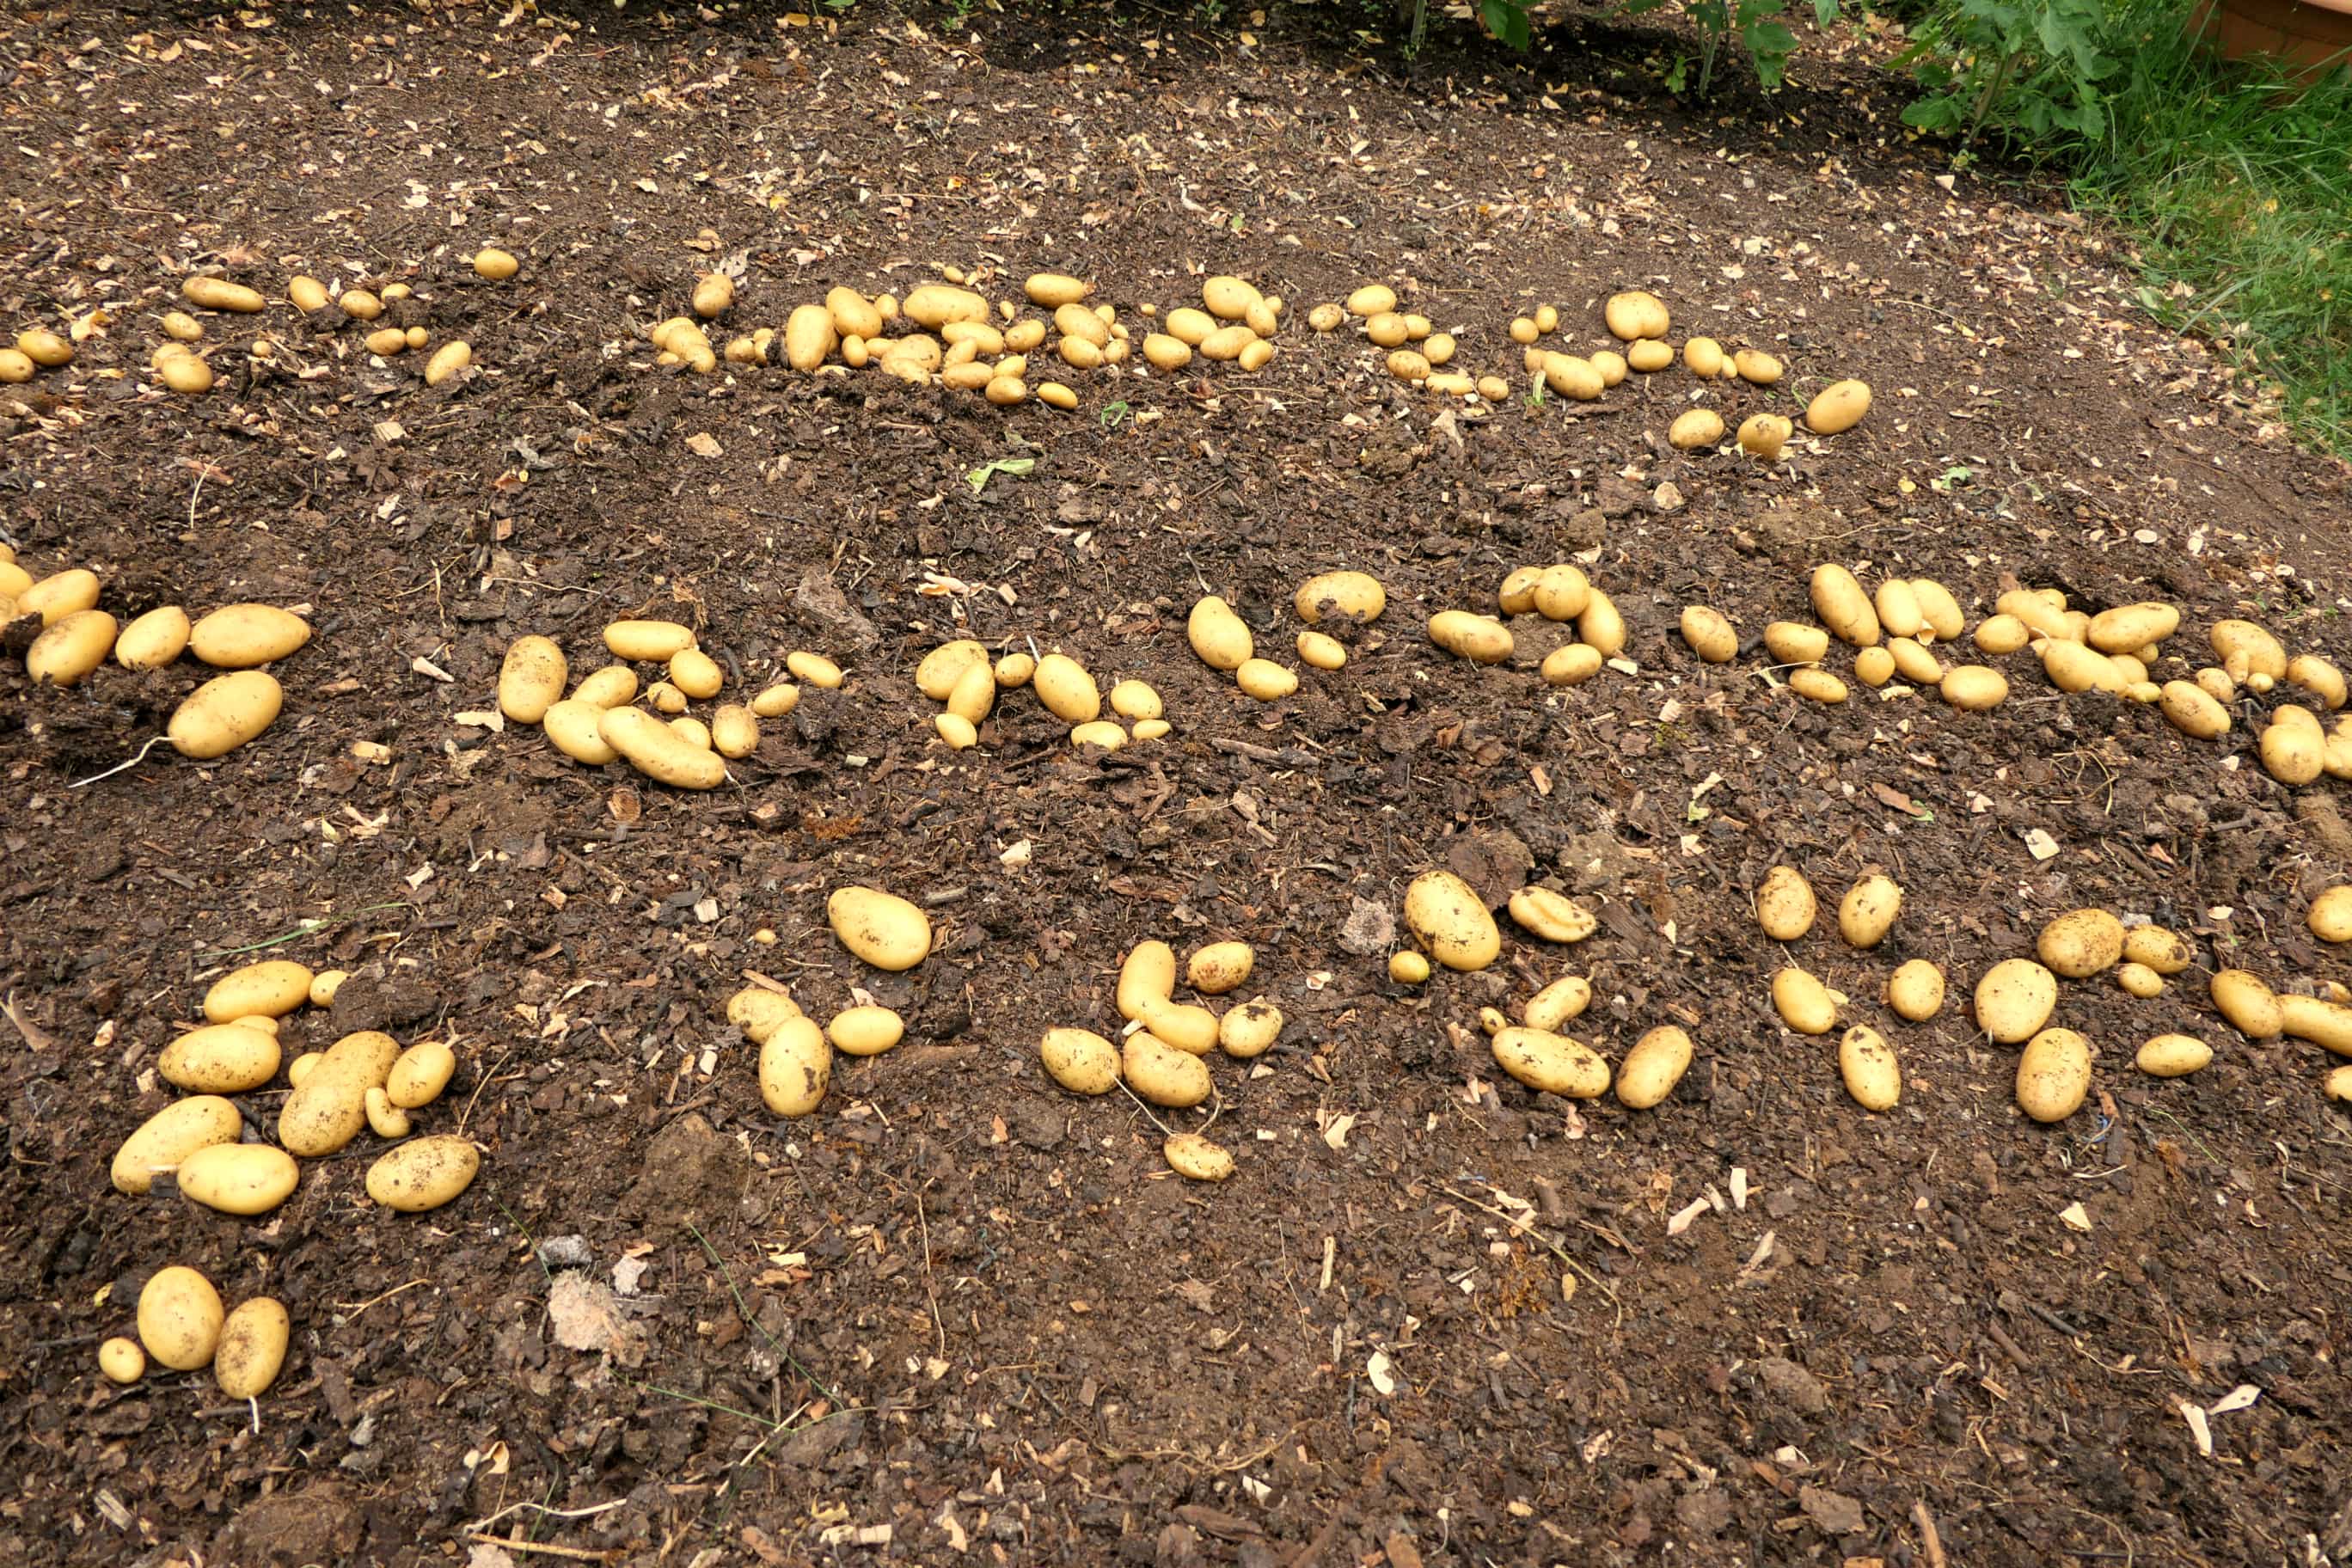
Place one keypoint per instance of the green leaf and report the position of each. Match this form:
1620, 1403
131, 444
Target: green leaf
1016, 466
1508, 20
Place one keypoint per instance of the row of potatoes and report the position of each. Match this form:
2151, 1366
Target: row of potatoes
874, 926
364, 1080
598, 722
961, 675
1560, 593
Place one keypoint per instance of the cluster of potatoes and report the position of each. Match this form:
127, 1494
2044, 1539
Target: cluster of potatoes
180, 365
962, 675
599, 722
1343, 601
1417, 353
364, 1081
37, 348
1786, 908
1557, 592
1164, 1057
76, 637
795, 1055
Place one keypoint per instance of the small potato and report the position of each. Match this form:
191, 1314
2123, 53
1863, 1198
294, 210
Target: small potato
575, 729
2054, 1075
1785, 905
1838, 407
1867, 1063
185, 373
1219, 967
1842, 606
220, 294
1250, 1029
1325, 318
1162, 1074
221, 1059
1704, 357
959, 734
974, 694
324, 985
180, 1318
759, 1012
2319, 677
1974, 688
238, 1178
424, 1173
1611, 365
1254, 357
696, 673
608, 688
252, 1348
1224, 344
531, 677
2325, 1024
2330, 915
1941, 611
1473, 637
181, 327
121, 1361
2081, 943
1694, 428
2014, 999
1151, 729
1068, 692
936, 676
2157, 948
2001, 633
449, 362
273, 988
1758, 368
1371, 299
1516, 597
1805, 1004
386, 342
1187, 325
1146, 977
1186, 1027
1320, 652
70, 647
1439, 349
1653, 1068
495, 264
2340, 1086
1356, 597
1195, 1158
1552, 1064
1572, 665
1561, 593
1266, 680
1408, 969
2138, 980
1494, 388
2173, 1056
1635, 314
1167, 353
1052, 290
1817, 685
1562, 1002
1230, 298
1873, 666
1649, 355
1079, 1060
1868, 910
1388, 330
1451, 922
1794, 642
420, 1074
17, 367
1553, 916
650, 642
1710, 634
865, 1031
658, 751
880, 928
1897, 608
166, 1139
776, 701
734, 732
1916, 991
1600, 626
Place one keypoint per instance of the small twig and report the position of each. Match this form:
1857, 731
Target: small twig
137, 757
481, 1524
388, 1295
484, 1083
1130, 1094
929, 1289
1526, 1227
308, 927
545, 1549
34, 1036
1931, 1545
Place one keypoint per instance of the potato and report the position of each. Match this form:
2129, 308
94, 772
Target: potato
1190, 1155
609, 686
1844, 607
1552, 1064
1785, 906
60, 594
1162, 1074
1694, 428
734, 732
1873, 1076
1230, 298
1325, 318
1794, 642
1916, 991
1356, 597
1837, 408
252, 1349
1187, 325
387, 342
1561, 593
1371, 299
2072, 667
1266, 680
1653, 1068
1563, 1001
1079, 1060
2340, 1086
1710, 634
323, 987
1600, 626
1914, 662
1571, 666
530, 679
2054, 1075
121, 1361
1219, 967
1611, 366
240, 1178
815, 669
1408, 969
1186, 1027
1474, 637
2219, 685
2293, 752
424, 1173
2081, 943
2014, 999
759, 1012
1151, 729
1450, 920
2327, 1024
1254, 356
420, 1074
15, 367
937, 675
2319, 677
652, 642
1516, 597
1762, 435
222, 1059
180, 1318
1053, 289
2330, 915
696, 673
880, 928
181, 327
1873, 666
1939, 609
1897, 608
1805, 1004
1167, 353
2138, 980
1066, 688
1649, 355
2192, 711
220, 294
69, 648
1388, 330
1868, 910
242, 636
2247, 1002
776, 701
865, 1031
224, 713
1572, 377
2001, 633
1974, 688
1224, 344
273, 988
1147, 976
1635, 314
2173, 1056
166, 1138
185, 373
2129, 627
1320, 652
1817, 685
795, 1068
957, 733
2044, 616
2263, 653
2157, 948
44, 348
658, 751
1756, 366
1250, 1029
810, 337
329, 1107
1551, 916
575, 729
447, 361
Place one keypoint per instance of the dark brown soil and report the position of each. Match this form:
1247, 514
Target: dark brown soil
958, 1316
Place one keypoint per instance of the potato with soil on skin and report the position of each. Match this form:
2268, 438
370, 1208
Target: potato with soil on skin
1068, 692
1162, 1074
2191, 710
1079, 1060
1516, 597
329, 1107
658, 751
238, 1178
1653, 1068
2129, 627
1635, 314
1218, 635
2248, 1003
180, 1318
122, 1362
1974, 688
530, 679
865, 1031
1266, 680
2261, 651
575, 729
2330, 915
1562, 1002
419, 1075
1842, 606
1764, 435
759, 1012
2054, 1075
1451, 922
1320, 652
1474, 637
424, 1173
1838, 407
1553, 916
879, 928
272, 987
60, 594
2327, 1024
1785, 905
1867, 1063
252, 1348
1600, 626
734, 732
1794, 642
1219, 967
1694, 429
2001, 634
1868, 910
448, 362
1249, 1030
166, 1138
2073, 668
941, 669
220, 1059
795, 1068
69, 648
1356, 597
1408, 968
2318, 677
2173, 1056
1188, 1028
1195, 1158
1817, 686
2079, 942
2014, 999
2161, 950
1805, 1004
1552, 1064
1710, 634
1147, 976
1916, 991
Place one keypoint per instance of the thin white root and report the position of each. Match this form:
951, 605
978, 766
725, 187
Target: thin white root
137, 757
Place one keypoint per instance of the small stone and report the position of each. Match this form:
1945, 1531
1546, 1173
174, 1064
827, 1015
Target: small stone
1834, 1511
1667, 496
1792, 1385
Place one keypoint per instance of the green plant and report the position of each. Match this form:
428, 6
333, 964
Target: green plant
2037, 63
1757, 25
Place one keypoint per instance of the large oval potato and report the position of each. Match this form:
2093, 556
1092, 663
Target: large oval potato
224, 713
1868, 910
1635, 314
2330, 915
531, 677
2054, 1075
1354, 596
166, 1138
2081, 943
658, 751
2014, 999
880, 928
1563, 1001
1710, 634
759, 1012
1068, 692
1474, 637
243, 637
329, 1107
1571, 664
810, 337
1694, 428
2250, 1005
2327, 1024
252, 1348
1230, 298
2073, 668
937, 675
1188, 1028
153, 640
1560, 593
576, 728
220, 294
2261, 651
1449, 919
1654, 1067
1794, 642
650, 642
1836, 408
1163, 1074
70, 647
1916, 991
2192, 711
240, 1178
1943, 612
2129, 627
1974, 688
221, 1059
1266, 680
60, 594
1190, 1155
1805, 1004
271, 989
1552, 1064
1220, 636
2293, 752
1553, 916
180, 1318
1842, 606
2318, 677
1785, 905
1573, 377
1079, 1060
2173, 1056
420, 1074
934, 305
1867, 1064
424, 1173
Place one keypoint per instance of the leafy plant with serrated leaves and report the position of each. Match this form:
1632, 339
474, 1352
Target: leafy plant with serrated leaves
1755, 25
2030, 67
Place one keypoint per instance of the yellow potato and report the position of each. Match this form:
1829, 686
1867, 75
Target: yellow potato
1635, 314
1230, 298
1611, 365
180, 1318
181, 327
1794, 642
419, 1075
1756, 366
530, 679
1053, 289
185, 373
1167, 353
1408, 969
44, 348
2138, 980
2014, 999
447, 361
2247, 1002
221, 1059
1188, 1028
1563, 1001
1552, 1064
1147, 976
759, 1012
1941, 611
1867, 1063
810, 337
1873, 666
1785, 905
2129, 627
1250, 1029
2073, 668
1842, 606
121, 1361
240, 1178
2261, 651
495, 264
2158, 949
15, 367
650, 641
1817, 685
937, 675
1560, 593
424, 1173
60, 594
252, 1348
1054, 394
323, 987
1068, 692
1649, 355
167, 1138
1371, 299
2054, 1075
1079, 1060
2339, 1085
1654, 1067
1192, 1156
1325, 318
658, 751
574, 728
1494, 388
1694, 428
2173, 1056
1162, 1074
1838, 407
2325, 1024
1762, 435
1805, 1004
70, 647
1266, 680
1571, 666
957, 733
609, 686
1916, 991
734, 732
795, 1068
1914, 662
2318, 677
2001, 633
220, 294
1450, 920
2330, 915
1151, 729
1973, 688
865, 1031
329, 1107
242, 636
1473, 637
1405, 364
273, 988
2293, 752
1190, 326
1553, 916
854, 315
2192, 711
387, 342
1353, 597
1710, 634
1868, 910
696, 673
880, 928
2081, 943
1572, 377
1897, 608
776, 701
1320, 652
1219, 967
1254, 356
